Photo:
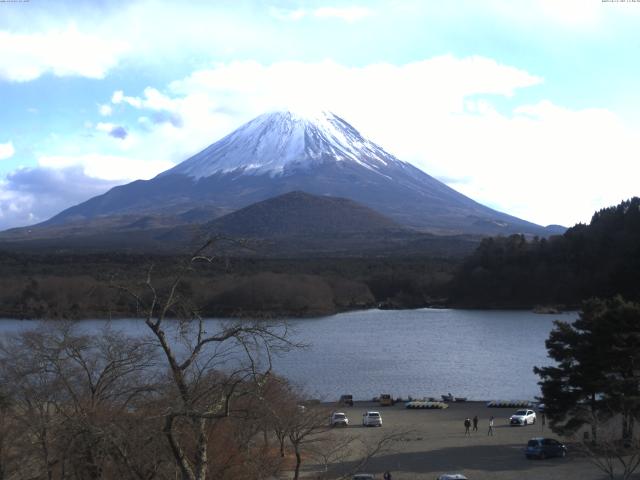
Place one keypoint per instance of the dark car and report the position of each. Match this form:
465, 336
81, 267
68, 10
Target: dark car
544, 448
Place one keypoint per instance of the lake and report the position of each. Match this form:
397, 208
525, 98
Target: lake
479, 354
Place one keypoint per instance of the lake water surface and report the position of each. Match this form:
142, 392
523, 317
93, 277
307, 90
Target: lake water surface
479, 354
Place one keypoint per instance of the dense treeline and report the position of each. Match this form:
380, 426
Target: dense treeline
80, 286
601, 259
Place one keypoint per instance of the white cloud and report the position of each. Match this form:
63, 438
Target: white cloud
105, 110
90, 39
32, 195
154, 100
385, 101
62, 52
119, 97
440, 82
107, 167
105, 127
6, 150
47, 40
544, 163
16, 208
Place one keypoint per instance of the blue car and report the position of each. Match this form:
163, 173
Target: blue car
544, 448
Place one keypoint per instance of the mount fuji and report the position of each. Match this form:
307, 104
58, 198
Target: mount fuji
281, 152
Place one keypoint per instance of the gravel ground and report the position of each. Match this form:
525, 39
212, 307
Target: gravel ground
436, 444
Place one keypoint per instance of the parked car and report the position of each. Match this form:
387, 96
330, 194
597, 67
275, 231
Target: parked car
339, 419
451, 476
523, 417
544, 448
346, 400
371, 419
363, 476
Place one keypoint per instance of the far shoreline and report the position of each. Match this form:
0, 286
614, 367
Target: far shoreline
248, 315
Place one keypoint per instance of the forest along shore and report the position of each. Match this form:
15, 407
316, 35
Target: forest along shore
80, 286
434, 442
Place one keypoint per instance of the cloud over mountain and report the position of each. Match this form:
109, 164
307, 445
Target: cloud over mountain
32, 195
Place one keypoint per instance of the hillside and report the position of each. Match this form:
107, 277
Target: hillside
302, 214
294, 225
600, 259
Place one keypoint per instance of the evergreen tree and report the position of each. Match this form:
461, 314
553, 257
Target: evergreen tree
597, 374
601, 259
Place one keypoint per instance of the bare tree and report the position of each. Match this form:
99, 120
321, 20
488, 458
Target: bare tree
71, 394
208, 370
613, 456
34, 395
373, 449
342, 454
306, 428
8, 434
334, 449
279, 405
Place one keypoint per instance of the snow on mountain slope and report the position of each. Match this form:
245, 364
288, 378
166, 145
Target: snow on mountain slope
320, 154
279, 142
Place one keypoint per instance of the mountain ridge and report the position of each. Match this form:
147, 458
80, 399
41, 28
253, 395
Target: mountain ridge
281, 152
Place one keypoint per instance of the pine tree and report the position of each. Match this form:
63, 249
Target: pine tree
597, 374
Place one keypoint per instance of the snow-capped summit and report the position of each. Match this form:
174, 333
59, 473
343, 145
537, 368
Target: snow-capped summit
280, 142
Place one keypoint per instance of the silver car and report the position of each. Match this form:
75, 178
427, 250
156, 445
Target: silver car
371, 419
339, 419
523, 417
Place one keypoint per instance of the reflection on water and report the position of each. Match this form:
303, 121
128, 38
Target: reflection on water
477, 354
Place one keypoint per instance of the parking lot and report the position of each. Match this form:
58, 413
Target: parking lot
434, 442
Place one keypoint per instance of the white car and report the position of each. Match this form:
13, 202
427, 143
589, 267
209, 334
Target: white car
339, 419
372, 419
523, 417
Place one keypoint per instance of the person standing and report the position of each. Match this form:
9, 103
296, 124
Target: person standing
467, 424
387, 475
490, 432
475, 423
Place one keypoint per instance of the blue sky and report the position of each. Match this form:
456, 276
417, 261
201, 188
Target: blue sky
531, 107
